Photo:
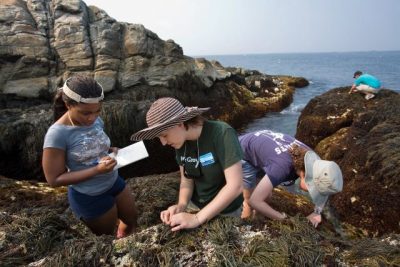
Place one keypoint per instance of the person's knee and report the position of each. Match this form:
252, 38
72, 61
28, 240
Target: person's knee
105, 224
253, 200
129, 220
128, 215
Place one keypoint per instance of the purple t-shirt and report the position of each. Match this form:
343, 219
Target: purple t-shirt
269, 151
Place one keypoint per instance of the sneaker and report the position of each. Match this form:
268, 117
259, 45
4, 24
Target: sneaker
369, 96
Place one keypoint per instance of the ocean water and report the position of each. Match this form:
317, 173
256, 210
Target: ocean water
325, 71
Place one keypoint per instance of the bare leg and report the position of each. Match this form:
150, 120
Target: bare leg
105, 224
127, 213
247, 210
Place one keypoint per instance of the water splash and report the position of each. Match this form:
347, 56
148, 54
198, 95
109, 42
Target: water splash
293, 109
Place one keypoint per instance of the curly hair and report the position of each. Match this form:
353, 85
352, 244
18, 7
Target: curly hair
297, 153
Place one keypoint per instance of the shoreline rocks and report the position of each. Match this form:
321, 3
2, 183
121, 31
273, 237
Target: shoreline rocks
50, 40
37, 228
363, 137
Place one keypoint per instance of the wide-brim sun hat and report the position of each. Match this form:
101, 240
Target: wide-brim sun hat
323, 178
163, 114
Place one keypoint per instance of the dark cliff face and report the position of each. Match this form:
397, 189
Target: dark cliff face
363, 137
43, 42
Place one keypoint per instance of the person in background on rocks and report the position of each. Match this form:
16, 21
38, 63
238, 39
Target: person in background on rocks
75, 154
208, 153
281, 159
366, 84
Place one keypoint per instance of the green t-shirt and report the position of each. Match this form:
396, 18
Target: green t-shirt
206, 159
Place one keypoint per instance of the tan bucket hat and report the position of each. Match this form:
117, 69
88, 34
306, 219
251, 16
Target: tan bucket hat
323, 178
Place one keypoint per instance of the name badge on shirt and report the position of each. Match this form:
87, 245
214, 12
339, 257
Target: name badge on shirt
207, 159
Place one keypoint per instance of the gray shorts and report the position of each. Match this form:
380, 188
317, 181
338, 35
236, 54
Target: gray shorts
251, 175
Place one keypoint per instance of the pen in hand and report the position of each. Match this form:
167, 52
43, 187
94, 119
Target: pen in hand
103, 161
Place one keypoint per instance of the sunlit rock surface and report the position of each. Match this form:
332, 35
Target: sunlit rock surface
43, 42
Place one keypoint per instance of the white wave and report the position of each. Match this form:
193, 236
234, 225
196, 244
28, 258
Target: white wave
293, 109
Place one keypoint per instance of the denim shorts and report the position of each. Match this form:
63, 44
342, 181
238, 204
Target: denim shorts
91, 207
250, 175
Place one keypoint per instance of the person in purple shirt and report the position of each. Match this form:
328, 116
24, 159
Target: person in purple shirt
280, 159
366, 84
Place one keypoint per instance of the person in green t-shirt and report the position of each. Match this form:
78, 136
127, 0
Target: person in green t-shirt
209, 157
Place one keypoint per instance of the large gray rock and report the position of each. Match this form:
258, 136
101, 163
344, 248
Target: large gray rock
43, 42
26, 87
54, 39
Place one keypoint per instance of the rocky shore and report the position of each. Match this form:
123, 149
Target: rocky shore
38, 229
363, 137
48, 41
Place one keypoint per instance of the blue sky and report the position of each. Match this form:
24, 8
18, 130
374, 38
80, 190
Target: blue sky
219, 27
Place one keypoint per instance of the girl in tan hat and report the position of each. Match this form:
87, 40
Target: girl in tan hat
75, 153
208, 154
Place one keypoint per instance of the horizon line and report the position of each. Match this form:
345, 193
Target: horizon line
280, 53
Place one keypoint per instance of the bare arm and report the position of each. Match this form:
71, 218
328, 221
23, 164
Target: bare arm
315, 217
185, 190
352, 89
232, 189
185, 194
56, 174
261, 193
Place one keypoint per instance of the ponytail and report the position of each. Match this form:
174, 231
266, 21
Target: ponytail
59, 104
59, 107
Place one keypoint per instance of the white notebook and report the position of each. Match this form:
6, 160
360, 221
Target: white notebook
130, 154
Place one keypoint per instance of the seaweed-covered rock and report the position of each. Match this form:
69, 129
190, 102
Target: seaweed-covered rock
363, 137
37, 229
